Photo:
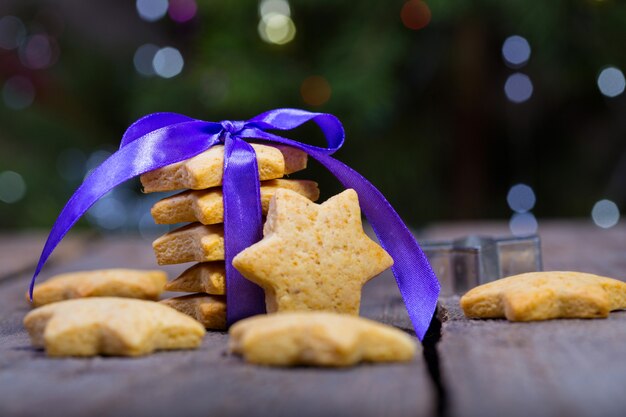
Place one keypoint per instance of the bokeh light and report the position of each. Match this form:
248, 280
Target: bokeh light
108, 213
36, 52
516, 51
521, 198
523, 224
182, 11
144, 55
18, 92
71, 164
168, 62
605, 214
12, 32
611, 82
518, 88
151, 10
95, 159
415, 14
267, 7
315, 90
277, 28
12, 187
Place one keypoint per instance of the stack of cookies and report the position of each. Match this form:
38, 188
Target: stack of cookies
202, 241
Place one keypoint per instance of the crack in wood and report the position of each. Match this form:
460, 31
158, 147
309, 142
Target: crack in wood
432, 359
394, 313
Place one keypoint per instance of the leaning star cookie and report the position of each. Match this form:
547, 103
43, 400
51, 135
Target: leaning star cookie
318, 338
210, 310
207, 277
194, 242
205, 170
313, 257
207, 206
129, 283
110, 326
546, 295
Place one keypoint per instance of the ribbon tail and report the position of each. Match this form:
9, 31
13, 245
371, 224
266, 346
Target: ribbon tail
154, 150
415, 278
97, 184
243, 226
150, 123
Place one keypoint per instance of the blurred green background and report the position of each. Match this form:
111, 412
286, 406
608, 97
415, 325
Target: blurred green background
455, 110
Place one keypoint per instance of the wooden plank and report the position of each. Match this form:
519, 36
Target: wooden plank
19, 252
204, 382
552, 368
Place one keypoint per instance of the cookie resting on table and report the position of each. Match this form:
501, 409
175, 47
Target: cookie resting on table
313, 256
131, 283
110, 326
210, 310
207, 277
318, 339
206, 169
207, 206
194, 242
546, 295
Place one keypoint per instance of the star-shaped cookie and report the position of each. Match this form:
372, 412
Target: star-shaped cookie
210, 310
319, 339
313, 256
110, 326
207, 206
193, 242
131, 283
206, 169
207, 277
546, 295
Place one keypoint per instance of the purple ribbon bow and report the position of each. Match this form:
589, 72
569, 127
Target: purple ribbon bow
161, 139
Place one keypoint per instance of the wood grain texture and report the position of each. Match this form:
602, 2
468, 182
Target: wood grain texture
204, 382
552, 368
19, 252
488, 367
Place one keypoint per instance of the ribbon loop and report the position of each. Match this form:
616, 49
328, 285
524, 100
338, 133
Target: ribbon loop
161, 139
233, 126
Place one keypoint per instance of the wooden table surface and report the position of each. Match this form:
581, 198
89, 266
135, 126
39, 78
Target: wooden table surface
468, 368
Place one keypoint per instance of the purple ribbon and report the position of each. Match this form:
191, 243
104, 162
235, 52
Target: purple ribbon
161, 139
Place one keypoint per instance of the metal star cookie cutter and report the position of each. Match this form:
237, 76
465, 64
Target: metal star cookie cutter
464, 263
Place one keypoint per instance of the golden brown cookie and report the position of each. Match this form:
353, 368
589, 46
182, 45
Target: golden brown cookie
207, 206
207, 277
130, 283
210, 310
318, 339
110, 326
205, 170
313, 256
546, 295
194, 242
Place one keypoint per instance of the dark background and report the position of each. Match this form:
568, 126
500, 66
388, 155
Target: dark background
419, 87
